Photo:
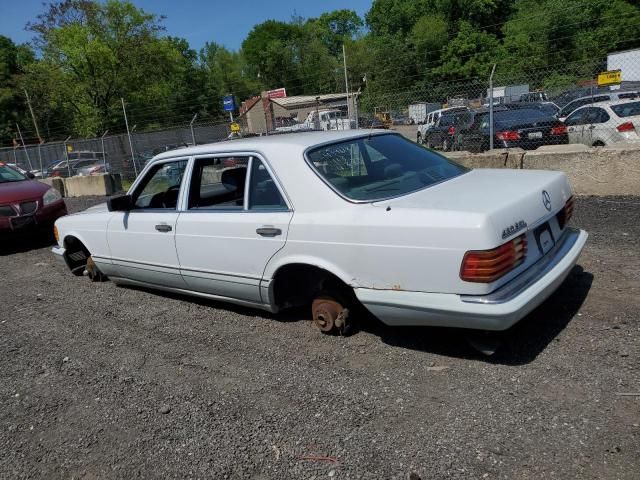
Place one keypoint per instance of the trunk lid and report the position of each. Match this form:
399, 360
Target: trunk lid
502, 196
495, 206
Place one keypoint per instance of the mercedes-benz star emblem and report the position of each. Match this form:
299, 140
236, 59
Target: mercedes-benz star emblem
546, 200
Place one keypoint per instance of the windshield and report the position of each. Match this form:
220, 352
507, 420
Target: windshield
8, 174
380, 166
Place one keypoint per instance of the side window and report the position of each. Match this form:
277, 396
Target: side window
575, 118
263, 191
595, 115
604, 116
161, 186
218, 183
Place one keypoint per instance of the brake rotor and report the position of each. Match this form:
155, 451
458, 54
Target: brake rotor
91, 269
325, 312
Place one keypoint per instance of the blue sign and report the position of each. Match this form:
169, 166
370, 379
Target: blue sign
229, 103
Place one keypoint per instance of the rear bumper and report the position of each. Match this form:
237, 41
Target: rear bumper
532, 144
496, 311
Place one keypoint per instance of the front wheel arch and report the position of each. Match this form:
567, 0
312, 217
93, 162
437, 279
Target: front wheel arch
75, 254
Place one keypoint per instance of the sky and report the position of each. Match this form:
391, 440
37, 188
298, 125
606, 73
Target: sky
199, 21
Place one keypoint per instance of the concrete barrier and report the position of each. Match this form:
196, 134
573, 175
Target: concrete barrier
93, 185
611, 170
57, 183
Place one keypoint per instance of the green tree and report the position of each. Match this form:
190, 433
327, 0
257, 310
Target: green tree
225, 73
270, 50
396, 17
469, 54
13, 61
99, 52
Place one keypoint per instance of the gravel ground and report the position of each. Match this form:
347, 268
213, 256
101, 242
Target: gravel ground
98, 381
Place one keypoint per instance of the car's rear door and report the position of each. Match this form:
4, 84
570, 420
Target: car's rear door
142, 241
235, 220
575, 126
597, 128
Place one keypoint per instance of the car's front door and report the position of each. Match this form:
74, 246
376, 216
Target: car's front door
236, 219
142, 241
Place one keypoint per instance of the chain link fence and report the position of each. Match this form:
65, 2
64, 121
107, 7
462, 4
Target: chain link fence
122, 153
568, 104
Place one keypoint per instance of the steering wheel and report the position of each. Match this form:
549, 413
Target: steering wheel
168, 195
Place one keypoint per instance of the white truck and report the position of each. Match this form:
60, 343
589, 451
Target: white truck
320, 120
507, 94
418, 111
628, 62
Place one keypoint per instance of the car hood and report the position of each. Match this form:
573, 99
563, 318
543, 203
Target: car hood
23, 190
99, 208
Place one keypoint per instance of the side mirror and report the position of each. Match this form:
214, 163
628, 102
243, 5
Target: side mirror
121, 203
30, 175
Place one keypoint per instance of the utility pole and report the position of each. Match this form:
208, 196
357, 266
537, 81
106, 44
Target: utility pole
33, 117
40, 158
193, 135
346, 80
104, 155
66, 154
24, 147
493, 70
126, 122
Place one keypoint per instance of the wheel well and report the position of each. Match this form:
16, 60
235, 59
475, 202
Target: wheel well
76, 254
297, 284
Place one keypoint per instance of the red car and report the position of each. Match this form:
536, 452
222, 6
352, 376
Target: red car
26, 203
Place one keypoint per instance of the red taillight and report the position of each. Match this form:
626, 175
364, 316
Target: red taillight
565, 214
485, 266
55, 174
625, 127
508, 135
451, 131
560, 129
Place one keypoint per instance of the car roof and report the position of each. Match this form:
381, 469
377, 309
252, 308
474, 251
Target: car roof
608, 103
298, 140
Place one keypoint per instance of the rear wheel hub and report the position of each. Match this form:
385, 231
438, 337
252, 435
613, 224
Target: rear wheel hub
327, 314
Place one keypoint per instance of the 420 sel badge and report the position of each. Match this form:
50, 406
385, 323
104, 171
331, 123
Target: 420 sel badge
516, 227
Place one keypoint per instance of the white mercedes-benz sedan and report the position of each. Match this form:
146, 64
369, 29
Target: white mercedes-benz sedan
335, 220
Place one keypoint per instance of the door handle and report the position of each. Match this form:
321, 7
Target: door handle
163, 228
591, 127
269, 231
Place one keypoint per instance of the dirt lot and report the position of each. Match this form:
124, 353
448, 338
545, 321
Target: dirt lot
98, 381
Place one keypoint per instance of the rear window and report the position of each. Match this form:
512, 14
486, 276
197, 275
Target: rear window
380, 166
447, 120
509, 117
630, 109
520, 115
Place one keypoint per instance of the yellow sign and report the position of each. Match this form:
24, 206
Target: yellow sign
612, 77
235, 127
69, 148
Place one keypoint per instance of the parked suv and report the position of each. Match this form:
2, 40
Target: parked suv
432, 119
441, 136
600, 97
605, 123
